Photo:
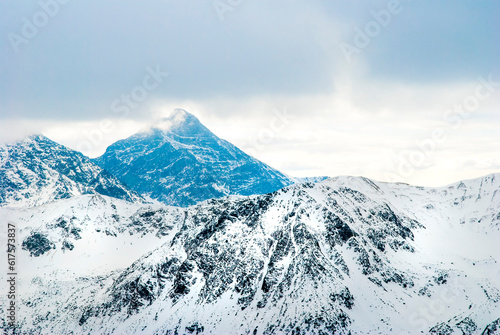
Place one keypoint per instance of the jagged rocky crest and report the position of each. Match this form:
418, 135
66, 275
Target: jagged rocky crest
180, 162
37, 170
341, 256
344, 255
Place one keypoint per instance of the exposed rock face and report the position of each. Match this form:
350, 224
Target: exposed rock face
492, 328
341, 256
180, 162
37, 244
37, 170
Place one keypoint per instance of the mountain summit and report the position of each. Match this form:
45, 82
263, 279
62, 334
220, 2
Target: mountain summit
37, 170
344, 256
182, 123
179, 161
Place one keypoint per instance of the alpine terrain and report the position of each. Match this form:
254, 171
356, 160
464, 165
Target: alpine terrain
37, 170
180, 162
346, 255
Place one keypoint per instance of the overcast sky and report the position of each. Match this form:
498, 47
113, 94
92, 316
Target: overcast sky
392, 90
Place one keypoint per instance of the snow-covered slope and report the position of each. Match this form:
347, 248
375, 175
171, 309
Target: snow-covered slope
180, 162
86, 227
82, 240
37, 170
346, 255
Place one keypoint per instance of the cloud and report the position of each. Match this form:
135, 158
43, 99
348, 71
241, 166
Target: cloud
90, 53
88, 65
422, 41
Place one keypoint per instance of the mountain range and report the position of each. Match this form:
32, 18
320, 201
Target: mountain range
178, 161
175, 231
346, 255
38, 170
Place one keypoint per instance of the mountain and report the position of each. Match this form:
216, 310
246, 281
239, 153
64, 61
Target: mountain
95, 229
298, 180
37, 170
180, 162
347, 255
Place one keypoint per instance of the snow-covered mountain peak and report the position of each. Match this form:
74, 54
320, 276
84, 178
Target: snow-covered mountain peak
32, 139
181, 162
36, 138
181, 123
181, 115
37, 170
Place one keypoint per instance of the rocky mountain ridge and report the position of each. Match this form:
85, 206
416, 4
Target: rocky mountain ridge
179, 162
38, 170
346, 255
